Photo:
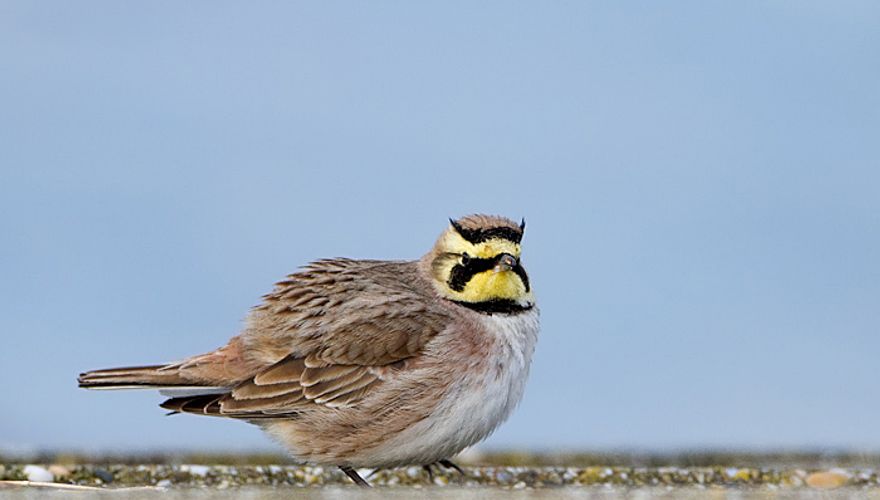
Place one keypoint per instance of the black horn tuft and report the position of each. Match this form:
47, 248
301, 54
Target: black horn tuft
457, 227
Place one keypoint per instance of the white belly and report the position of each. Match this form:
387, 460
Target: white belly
477, 403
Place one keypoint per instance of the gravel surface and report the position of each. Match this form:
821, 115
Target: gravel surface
219, 477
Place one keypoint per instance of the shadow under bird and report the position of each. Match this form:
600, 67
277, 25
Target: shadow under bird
372, 363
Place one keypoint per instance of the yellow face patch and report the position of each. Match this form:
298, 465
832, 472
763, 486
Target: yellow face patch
491, 285
454, 243
458, 281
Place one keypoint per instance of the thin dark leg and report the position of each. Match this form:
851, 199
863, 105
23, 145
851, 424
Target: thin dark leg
449, 464
358, 480
430, 472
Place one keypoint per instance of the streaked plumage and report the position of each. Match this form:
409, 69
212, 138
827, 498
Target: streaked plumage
368, 363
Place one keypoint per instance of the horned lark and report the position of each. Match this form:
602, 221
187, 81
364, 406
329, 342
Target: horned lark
371, 363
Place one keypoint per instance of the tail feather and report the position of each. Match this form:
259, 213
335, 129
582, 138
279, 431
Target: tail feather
145, 377
214, 372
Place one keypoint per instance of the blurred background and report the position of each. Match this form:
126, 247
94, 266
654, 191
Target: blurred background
701, 182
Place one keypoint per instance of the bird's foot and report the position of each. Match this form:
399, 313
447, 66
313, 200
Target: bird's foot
429, 468
447, 464
358, 480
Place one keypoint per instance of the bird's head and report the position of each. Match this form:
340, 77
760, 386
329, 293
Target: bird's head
476, 263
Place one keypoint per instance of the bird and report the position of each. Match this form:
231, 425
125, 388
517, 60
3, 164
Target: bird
362, 364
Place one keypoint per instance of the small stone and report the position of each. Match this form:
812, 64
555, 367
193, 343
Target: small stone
165, 483
827, 480
104, 475
59, 471
195, 470
38, 474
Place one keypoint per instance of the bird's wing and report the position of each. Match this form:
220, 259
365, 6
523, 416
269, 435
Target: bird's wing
332, 333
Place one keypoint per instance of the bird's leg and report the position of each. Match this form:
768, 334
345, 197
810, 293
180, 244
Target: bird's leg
449, 464
358, 480
430, 472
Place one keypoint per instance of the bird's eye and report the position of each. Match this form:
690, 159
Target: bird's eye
465, 258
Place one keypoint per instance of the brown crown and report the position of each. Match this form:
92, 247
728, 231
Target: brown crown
478, 228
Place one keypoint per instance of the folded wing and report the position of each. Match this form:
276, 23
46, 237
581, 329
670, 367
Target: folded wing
328, 335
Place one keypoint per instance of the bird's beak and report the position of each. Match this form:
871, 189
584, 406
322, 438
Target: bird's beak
505, 262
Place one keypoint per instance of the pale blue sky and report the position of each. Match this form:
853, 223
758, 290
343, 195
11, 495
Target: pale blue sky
701, 182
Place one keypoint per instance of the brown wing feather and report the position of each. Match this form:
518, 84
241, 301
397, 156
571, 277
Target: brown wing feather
347, 312
316, 375
321, 391
332, 385
328, 335
251, 390
229, 406
288, 371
